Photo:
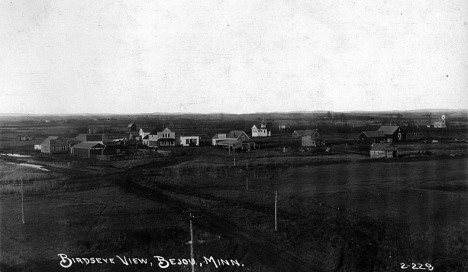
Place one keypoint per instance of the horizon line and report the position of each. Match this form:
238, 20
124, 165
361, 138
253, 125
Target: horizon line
227, 113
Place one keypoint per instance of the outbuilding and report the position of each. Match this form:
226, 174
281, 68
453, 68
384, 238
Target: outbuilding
87, 149
189, 140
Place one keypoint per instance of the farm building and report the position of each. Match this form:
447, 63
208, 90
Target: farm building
37, 147
392, 134
54, 145
25, 138
87, 149
189, 140
230, 144
261, 130
218, 137
383, 150
237, 135
370, 137
112, 150
308, 141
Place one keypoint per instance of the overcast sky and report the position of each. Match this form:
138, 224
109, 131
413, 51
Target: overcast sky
232, 56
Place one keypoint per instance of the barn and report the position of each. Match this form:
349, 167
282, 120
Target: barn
392, 134
87, 150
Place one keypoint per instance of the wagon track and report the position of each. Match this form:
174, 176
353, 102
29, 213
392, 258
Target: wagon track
275, 257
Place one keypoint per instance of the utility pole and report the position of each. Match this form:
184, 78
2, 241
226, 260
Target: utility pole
192, 260
247, 183
191, 244
234, 157
276, 210
22, 202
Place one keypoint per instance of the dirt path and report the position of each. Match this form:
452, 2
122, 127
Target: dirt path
275, 257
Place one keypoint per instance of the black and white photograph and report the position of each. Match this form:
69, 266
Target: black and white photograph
222, 135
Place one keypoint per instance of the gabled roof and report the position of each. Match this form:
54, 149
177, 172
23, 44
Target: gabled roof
234, 134
50, 138
131, 124
88, 145
154, 132
216, 136
383, 146
388, 130
159, 129
373, 134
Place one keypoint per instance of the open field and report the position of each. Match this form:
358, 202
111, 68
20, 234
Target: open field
338, 212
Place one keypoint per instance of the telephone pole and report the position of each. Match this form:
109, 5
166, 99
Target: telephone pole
192, 260
191, 244
22, 201
276, 210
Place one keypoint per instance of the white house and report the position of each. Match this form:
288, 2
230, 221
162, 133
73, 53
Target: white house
166, 137
261, 131
189, 140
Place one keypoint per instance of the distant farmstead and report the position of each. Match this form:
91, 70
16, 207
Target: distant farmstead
383, 150
388, 134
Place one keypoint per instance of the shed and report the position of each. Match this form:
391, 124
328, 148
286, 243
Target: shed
87, 149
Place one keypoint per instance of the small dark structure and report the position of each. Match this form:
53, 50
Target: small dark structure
87, 150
